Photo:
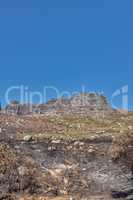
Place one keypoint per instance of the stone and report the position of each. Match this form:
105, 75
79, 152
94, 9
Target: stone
130, 197
91, 150
117, 194
22, 171
76, 143
130, 178
27, 138
56, 142
130, 127
123, 193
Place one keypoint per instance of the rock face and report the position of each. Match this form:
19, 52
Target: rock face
17, 108
82, 104
89, 104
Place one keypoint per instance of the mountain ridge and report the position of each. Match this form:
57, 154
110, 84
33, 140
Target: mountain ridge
82, 104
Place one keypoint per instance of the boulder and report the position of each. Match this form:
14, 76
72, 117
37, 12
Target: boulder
27, 138
123, 193
130, 197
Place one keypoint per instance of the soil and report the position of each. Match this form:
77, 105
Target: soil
50, 168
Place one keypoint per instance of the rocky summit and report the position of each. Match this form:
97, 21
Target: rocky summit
82, 104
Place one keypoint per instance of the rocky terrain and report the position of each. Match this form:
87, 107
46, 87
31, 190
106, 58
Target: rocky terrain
82, 104
66, 155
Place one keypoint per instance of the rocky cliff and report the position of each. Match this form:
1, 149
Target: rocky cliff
82, 104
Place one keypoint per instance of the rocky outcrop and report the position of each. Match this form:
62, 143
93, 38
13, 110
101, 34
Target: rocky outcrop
82, 104
17, 108
89, 104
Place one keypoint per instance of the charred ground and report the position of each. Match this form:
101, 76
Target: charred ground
65, 156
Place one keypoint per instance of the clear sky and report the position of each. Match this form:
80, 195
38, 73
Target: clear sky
67, 44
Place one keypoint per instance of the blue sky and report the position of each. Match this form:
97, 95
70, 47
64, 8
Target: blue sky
67, 44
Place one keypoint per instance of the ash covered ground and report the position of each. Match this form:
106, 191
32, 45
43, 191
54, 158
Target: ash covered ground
68, 157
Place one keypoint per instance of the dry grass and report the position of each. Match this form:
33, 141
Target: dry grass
7, 158
118, 126
44, 198
94, 197
68, 127
74, 127
123, 147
